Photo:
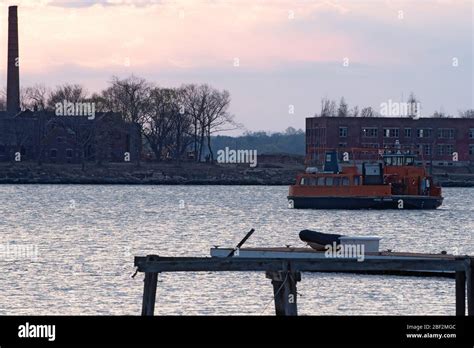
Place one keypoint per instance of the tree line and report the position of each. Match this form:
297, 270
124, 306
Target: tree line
174, 122
330, 108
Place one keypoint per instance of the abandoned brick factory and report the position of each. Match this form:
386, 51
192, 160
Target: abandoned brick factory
52, 137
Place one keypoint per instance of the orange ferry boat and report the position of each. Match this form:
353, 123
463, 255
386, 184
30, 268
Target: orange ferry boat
392, 181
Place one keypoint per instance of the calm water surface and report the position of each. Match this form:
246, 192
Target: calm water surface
87, 236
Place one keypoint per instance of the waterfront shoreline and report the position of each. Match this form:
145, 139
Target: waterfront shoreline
267, 174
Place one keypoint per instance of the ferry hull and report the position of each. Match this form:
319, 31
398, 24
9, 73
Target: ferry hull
392, 202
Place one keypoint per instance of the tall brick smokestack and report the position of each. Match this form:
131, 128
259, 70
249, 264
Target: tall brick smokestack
13, 70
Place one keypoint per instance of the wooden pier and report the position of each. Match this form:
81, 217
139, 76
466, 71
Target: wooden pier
285, 272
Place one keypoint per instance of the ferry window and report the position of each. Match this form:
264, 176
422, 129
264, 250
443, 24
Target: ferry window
329, 181
336, 181
388, 161
356, 180
345, 181
321, 181
312, 181
303, 181
409, 161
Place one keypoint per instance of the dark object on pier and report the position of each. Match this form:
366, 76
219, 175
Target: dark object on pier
318, 240
247, 236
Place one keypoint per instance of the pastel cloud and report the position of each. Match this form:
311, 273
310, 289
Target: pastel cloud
300, 43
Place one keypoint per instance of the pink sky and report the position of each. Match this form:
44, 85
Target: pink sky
290, 52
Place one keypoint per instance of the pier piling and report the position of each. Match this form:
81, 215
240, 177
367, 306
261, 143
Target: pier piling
149, 290
284, 291
460, 293
469, 284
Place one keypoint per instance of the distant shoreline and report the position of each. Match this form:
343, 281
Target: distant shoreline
186, 173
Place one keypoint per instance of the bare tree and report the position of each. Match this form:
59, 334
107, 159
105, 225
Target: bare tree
367, 112
355, 111
159, 120
67, 92
413, 103
441, 114
182, 127
130, 98
37, 97
469, 113
195, 99
343, 109
328, 108
217, 117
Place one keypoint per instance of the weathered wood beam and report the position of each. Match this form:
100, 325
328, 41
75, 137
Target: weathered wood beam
460, 293
203, 264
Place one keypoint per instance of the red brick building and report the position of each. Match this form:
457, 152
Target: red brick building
435, 139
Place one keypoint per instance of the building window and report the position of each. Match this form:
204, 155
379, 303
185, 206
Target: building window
69, 153
342, 132
370, 132
60, 140
423, 132
391, 132
446, 133
53, 153
445, 149
471, 149
471, 133
407, 132
342, 144
427, 149
440, 151
449, 149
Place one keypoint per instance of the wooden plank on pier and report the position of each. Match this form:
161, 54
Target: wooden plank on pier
460, 293
205, 264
